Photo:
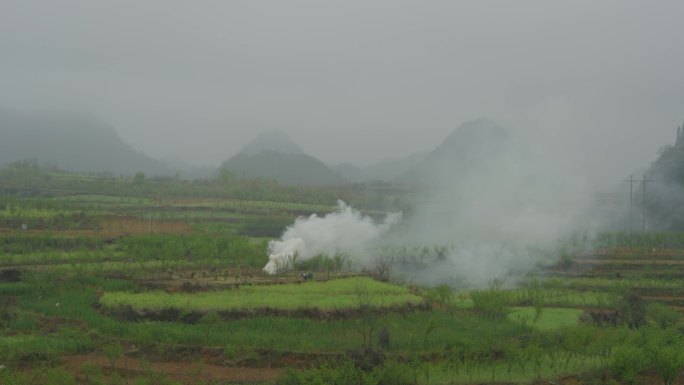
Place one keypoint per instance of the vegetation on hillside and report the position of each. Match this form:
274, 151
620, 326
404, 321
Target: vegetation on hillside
116, 281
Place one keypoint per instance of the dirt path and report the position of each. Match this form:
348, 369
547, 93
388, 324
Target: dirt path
185, 372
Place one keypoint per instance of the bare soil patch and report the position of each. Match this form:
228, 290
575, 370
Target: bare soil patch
114, 227
185, 372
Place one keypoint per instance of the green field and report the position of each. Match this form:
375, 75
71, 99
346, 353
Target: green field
334, 294
130, 281
548, 318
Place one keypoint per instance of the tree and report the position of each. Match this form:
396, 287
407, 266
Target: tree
491, 303
667, 362
226, 176
367, 323
469, 356
632, 309
382, 267
523, 356
665, 349
537, 357
452, 362
627, 362
663, 315
139, 178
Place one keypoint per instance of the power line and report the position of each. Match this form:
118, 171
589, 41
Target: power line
643, 203
631, 181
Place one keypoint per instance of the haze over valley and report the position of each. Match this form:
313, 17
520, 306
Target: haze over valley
341, 192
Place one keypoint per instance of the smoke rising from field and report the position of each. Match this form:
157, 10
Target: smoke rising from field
493, 204
344, 230
489, 208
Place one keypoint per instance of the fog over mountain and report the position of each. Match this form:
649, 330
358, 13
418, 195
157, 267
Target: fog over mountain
664, 189
497, 208
389, 169
277, 141
596, 87
71, 142
273, 155
479, 146
350, 172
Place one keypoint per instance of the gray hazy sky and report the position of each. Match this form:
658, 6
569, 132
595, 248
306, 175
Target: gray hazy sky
598, 85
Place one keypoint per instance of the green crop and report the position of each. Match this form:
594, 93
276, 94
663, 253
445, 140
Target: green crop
335, 294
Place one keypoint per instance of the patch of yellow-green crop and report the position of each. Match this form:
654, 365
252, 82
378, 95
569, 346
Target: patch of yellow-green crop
549, 318
335, 294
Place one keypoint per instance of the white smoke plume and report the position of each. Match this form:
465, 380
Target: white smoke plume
345, 230
495, 208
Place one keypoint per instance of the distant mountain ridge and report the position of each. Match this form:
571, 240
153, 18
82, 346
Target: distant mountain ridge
84, 144
274, 156
273, 140
474, 147
389, 169
72, 142
350, 172
665, 198
383, 171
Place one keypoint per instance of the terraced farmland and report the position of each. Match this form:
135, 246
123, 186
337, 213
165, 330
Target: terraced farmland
134, 289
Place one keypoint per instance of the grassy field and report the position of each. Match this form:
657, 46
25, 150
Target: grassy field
334, 294
98, 253
547, 318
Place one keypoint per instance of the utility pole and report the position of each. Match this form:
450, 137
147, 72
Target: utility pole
631, 181
643, 203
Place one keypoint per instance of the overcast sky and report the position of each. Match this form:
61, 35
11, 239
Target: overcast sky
598, 85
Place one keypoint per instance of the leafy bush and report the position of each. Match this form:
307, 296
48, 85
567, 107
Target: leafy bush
342, 373
632, 310
628, 361
667, 361
491, 303
393, 373
663, 315
442, 294
665, 349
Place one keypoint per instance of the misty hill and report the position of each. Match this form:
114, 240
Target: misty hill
272, 155
187, 170
350, 172
669, 167
665, 198
476, 147
276, 141
289, 169
390, 169
71, 142
384, 170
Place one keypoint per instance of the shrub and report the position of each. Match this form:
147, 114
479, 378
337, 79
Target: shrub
663, 315
665, 351
633, 310
442, 294
667, 361
384, 339
491, 303
342, 373
627, 361
393, 373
